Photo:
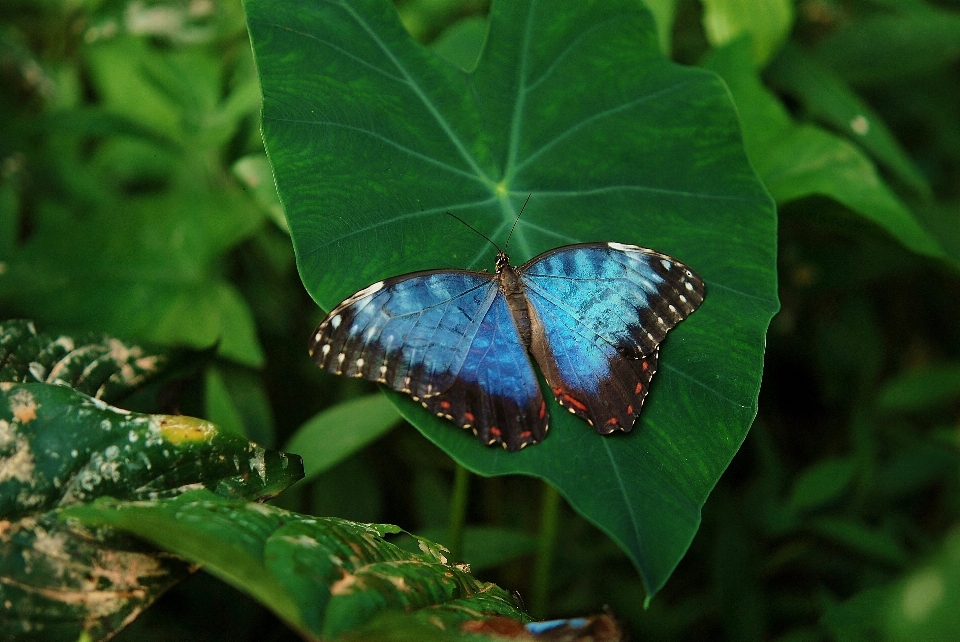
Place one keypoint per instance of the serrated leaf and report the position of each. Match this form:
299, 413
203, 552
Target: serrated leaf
324, 576
59, 447
373, 139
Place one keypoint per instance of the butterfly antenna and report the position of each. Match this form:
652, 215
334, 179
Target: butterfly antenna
507, 244
475, 230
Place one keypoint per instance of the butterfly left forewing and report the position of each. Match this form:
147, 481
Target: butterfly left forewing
446, 338
406, 332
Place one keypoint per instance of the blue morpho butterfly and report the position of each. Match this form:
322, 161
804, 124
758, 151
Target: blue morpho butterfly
591, 314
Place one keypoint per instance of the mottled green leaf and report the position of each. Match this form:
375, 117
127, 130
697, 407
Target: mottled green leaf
96, 365
322, 575
58, 448
373, 139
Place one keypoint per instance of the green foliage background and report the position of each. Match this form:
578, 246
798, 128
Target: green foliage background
135, 199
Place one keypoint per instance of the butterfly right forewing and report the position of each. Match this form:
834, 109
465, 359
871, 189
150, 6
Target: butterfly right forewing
599, 312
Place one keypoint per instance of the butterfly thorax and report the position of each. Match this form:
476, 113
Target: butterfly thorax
512, 288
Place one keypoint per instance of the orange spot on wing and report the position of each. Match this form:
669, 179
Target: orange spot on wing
629, 410
469, 416
526, 434
573, 401
645, 365
495, 431
543, 409
612, 421
639, 387
445, 405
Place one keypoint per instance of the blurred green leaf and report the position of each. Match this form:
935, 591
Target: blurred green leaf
822, 483
220, 407
767, 21
486, 547
254, 172
323, 576
943, 220
922, 389
872, 543
373, 142
914, 468
892, 45
336, 433
462, 42
860, 618
59, 447
149, 274
799, 160
924, 604
664, 12
827, 98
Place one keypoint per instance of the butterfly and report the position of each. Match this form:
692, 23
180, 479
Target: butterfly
592, 315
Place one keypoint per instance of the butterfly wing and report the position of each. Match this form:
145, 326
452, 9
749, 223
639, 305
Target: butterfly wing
598, 314
447, 338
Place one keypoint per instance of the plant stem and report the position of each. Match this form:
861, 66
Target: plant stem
549, 520
458, 512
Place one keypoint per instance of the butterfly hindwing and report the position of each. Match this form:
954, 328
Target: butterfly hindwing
446, 338
599, 312
497, 387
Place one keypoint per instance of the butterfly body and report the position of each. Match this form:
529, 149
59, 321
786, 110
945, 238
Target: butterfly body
592, 315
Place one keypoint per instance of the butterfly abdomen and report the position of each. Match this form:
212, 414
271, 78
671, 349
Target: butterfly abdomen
512, 288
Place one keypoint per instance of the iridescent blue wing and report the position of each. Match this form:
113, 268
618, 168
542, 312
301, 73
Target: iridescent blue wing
598, 314
447, 338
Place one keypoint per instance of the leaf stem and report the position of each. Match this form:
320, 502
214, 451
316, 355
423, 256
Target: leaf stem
549, 521
458, 512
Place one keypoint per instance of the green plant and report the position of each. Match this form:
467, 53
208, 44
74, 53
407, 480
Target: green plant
136, 199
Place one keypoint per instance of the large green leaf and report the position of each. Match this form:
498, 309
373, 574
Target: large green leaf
324, 576
58, 448
373, 138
